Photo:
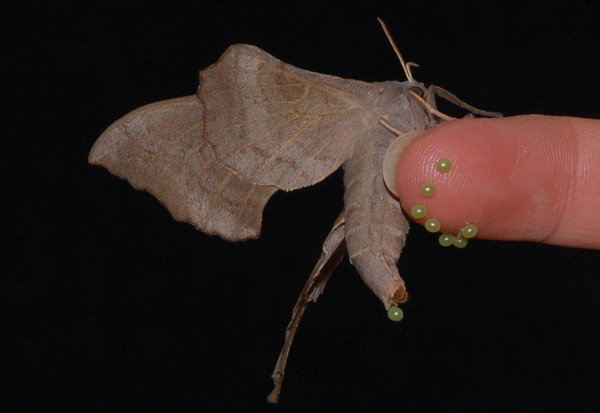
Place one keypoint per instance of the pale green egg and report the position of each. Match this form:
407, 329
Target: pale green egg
428, 189
443, 165
432, 225
395, 314
446, 239
418, 211
460, 241
469, 230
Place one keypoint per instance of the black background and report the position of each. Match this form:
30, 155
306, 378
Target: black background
107, 303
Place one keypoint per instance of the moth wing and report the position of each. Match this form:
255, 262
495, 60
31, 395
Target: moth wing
160, 148
275, 124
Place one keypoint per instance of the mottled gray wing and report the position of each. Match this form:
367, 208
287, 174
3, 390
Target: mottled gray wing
159, 148
275, 124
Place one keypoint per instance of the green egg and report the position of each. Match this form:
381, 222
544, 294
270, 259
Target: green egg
428, 190
432, 225
460, 241
446, 239
395, 314
469, 230
418, 211
443, 165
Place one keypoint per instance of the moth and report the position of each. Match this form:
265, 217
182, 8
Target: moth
257, 125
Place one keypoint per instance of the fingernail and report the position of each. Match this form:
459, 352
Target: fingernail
392, 157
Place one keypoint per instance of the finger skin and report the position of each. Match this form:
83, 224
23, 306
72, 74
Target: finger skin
527, 178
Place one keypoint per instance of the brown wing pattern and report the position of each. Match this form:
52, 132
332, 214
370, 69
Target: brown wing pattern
159, 148
275, 124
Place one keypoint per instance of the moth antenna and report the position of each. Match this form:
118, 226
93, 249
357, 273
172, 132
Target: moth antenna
405, 66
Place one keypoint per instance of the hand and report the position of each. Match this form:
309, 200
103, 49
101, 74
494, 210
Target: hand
527, 178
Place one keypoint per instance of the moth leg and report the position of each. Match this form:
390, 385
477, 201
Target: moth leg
429, 107
433, 91
389, 127
334, 249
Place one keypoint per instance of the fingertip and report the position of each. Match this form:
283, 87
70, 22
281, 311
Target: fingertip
509, 177
436, 171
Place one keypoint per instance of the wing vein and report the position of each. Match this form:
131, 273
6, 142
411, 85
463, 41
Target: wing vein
168, 145
327, 143
218, 194
279, 102
261, 137
193, 181
153, 131
286, 143
246, 202
248, 122
181, 163
250, 89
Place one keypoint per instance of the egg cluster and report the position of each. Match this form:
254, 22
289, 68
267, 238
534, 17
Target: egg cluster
433, 225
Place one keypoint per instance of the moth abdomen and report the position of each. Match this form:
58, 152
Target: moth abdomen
375, 224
